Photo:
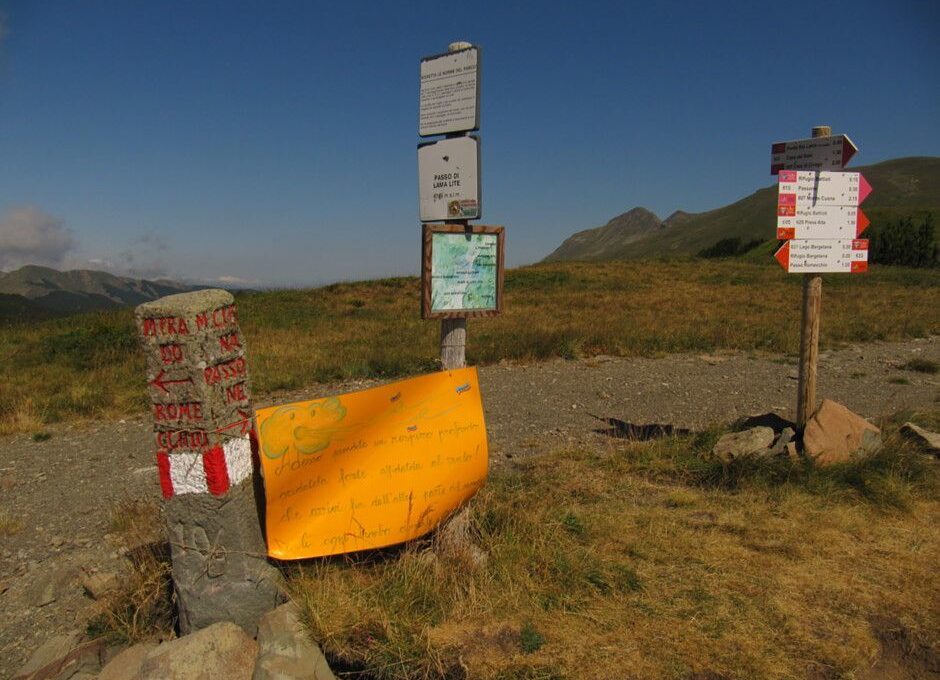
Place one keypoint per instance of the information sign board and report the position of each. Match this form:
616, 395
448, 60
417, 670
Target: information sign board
449, 179
462, 271
820, 256
449, 99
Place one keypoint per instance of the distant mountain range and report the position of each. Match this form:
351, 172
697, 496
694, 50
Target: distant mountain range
903, 186
34, 292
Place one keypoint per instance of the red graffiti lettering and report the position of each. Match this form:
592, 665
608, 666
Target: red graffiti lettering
224, 316
230, 342
182, 439
235, 393
171, 354
202, 321
165, 325
236, 368
188, 411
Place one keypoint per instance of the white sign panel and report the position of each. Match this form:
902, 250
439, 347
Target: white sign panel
820, 256
808, 189
823, 221
816, 153
450, 93
449, 180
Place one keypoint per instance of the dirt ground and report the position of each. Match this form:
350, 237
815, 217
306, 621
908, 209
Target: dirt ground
58, 494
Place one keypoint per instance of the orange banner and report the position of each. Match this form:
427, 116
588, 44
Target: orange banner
371, 468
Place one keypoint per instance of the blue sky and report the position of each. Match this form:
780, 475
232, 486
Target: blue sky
275, 142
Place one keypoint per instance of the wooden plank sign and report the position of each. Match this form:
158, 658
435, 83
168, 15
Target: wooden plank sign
816, 153
462, 271
821, 256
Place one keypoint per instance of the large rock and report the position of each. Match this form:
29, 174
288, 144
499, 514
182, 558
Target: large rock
63, 657
286, 652
834, 434
752, 442
222, 650
927, 440
126, 665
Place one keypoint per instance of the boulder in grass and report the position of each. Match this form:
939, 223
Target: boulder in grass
755, 441
222, 650
835, 434
287, 653
928, 441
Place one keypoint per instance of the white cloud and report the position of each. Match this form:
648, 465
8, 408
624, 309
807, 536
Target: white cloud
30, 236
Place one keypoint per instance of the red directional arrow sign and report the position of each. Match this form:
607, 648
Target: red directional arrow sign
818, 256
244, 424
161, 383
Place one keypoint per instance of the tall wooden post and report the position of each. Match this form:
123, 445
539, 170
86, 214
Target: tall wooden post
809, 333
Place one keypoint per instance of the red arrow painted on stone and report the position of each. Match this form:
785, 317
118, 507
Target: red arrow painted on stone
783, 256
864, 188
160, 383
245, 423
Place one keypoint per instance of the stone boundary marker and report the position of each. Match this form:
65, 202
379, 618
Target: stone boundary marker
198, 382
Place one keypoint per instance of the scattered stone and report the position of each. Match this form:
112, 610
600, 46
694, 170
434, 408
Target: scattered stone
792, 452
126, 665
286, 651
927, 440
63, 657
779, 447
834, 434
47, 585
754, 441
712, 359
100, 584
222, 650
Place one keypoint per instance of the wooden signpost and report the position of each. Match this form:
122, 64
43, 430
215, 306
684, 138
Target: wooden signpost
462, 265
818, 215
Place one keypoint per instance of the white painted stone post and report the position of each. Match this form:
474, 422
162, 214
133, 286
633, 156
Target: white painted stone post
197, 375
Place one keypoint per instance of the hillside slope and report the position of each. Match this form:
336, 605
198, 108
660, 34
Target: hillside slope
79, 290
620, 232
900, 187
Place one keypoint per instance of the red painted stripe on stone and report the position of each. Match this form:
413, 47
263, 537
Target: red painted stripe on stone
163, 468
213, 461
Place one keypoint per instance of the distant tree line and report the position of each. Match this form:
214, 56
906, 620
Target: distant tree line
904, 243
729, 247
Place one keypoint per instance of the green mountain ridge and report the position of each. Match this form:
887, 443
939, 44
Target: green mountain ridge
34, 292
902, 186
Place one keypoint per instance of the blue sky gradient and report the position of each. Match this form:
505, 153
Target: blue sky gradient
276, 142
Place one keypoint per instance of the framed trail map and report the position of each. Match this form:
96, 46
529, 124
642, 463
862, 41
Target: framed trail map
462, 271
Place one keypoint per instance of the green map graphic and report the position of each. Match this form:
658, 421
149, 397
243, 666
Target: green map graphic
463, 272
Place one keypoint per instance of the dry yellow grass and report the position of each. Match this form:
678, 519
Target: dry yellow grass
90, 365
642, 561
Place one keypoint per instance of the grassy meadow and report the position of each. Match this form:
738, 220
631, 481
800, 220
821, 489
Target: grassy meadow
90, 366
640, 560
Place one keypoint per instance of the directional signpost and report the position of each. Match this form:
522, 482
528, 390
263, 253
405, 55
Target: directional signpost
817, 153
820, 256
819, 217
449, 179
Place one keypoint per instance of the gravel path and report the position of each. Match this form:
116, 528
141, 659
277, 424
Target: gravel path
61, 491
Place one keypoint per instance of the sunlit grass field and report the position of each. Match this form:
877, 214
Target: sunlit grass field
635, 560
91, 366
